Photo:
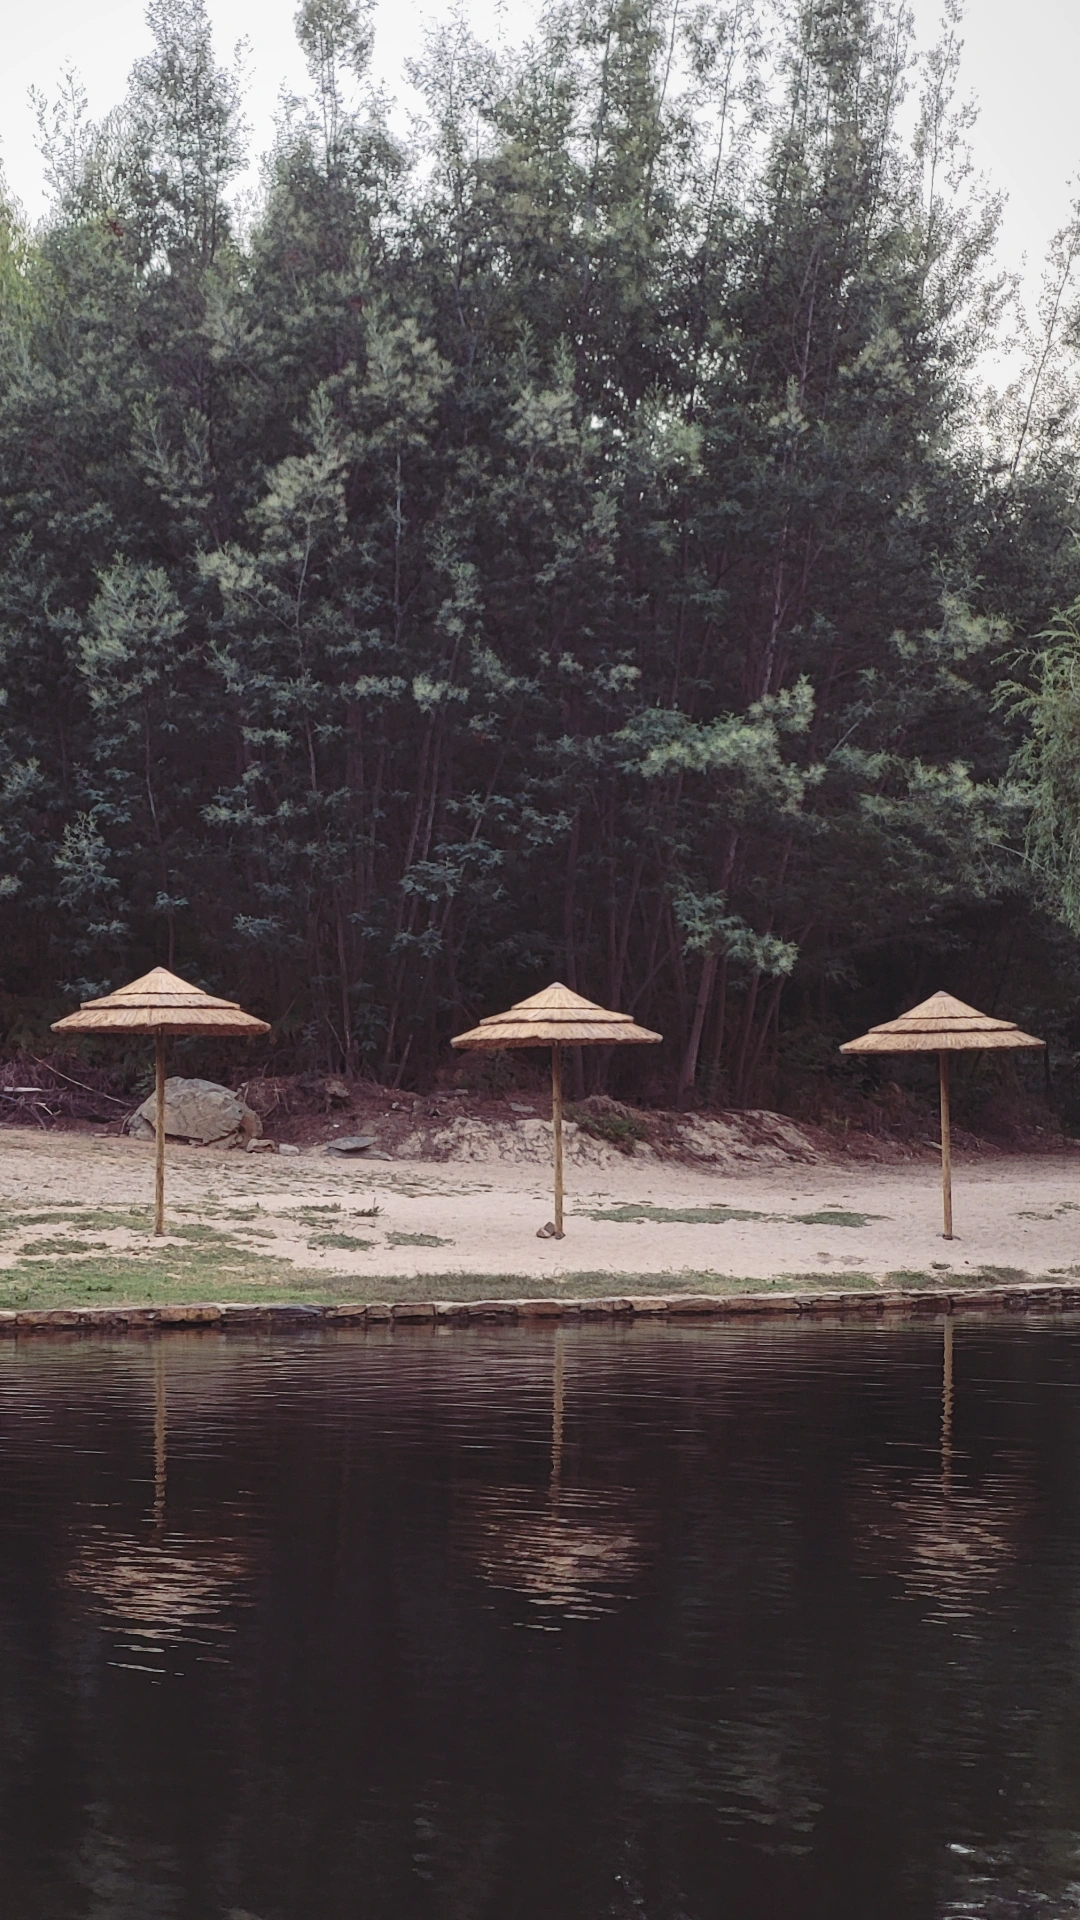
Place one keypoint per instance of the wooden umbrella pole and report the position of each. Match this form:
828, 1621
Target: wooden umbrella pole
556, 1415
159, 1138
556, 1133
946, 1145
947, 1407
160, 1437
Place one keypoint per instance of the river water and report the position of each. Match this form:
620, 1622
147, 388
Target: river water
685, 1624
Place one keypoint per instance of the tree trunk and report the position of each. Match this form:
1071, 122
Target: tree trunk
712, 1083
688, 1070
745, 1029
765, 1024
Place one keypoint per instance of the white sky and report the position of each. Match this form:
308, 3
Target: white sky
1020, 60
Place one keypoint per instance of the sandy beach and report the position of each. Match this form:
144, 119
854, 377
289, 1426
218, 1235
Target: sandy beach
350, 1219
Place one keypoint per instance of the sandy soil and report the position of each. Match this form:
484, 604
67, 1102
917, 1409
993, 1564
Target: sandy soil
1016, 1213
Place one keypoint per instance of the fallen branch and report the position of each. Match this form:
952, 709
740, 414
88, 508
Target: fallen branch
47, 1067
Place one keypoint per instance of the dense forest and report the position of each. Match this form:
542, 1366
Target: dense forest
577, 540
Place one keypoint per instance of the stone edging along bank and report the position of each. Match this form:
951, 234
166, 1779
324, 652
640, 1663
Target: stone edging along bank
1029, 1296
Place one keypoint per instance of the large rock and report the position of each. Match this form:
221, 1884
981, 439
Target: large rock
200, 1111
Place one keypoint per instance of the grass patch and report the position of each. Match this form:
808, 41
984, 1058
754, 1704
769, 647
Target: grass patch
192, 1274
827, 1280
197, 1273
102, 1218
686, 1216
187, 1265
342, 1242
830, 1217
202, 1261
719, 1216
40, 1249
952, 1282
321, 1216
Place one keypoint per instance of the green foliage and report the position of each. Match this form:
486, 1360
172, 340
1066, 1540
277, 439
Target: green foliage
1048, 763
622, 1130
576, 546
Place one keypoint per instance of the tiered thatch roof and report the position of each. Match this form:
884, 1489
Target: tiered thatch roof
941, 1025
556, 1018
160, 1003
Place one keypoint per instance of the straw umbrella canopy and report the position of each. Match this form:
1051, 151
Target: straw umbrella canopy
162, 1004
556, 1018
943, 1026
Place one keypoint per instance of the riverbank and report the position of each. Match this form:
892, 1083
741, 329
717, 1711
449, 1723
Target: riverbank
390, 1317
317, 1230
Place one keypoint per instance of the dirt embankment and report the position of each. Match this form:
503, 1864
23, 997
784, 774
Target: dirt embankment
514, 1127
596, 1134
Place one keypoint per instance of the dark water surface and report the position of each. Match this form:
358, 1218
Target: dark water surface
712, 1624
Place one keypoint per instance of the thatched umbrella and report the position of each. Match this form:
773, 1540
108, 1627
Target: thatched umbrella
162, 1004
556, 1018
942, 1025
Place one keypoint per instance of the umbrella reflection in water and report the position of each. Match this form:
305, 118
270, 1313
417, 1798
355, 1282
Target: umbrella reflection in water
574, 1552
157, 1587
945, 1541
